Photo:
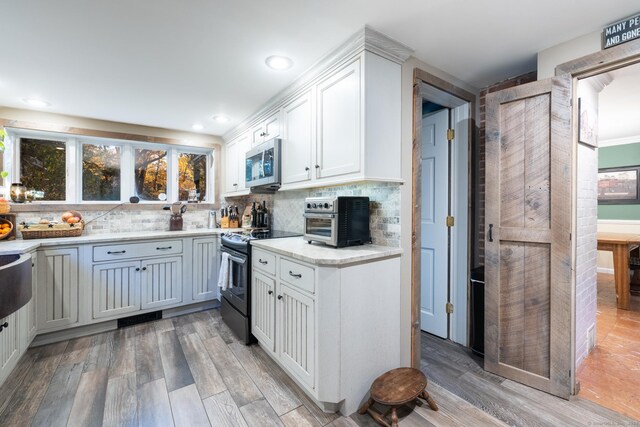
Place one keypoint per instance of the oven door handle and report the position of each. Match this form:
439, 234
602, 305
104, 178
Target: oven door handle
319, 216
237, 260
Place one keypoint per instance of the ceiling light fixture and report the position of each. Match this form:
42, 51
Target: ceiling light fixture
221, 119
34, 102
197, 126
279, 62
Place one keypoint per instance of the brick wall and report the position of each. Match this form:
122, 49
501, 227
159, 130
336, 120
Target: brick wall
479, 160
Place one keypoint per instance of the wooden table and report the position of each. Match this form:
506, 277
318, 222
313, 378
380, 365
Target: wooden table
620, 244
395, 388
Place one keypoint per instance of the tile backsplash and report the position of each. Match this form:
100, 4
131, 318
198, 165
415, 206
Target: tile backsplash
288, 206
120, 221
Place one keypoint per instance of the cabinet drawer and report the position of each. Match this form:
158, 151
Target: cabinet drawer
298, 275
263, 261
137, 250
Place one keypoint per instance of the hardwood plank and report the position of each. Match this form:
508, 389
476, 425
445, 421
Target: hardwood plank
240, 386
260, 413
299, 417
223, 330
281, 399
176, 369
184, 325
223, 411
56, 404
206, 376
148, 360
187, 407
537, 320
205, 325
123, 353
163, 325
154, 408
120, 408
99, 354
88, 404
512, 269
276, 372
28, 396
16, 378
512, 164
536, 185
77, 350
343, 422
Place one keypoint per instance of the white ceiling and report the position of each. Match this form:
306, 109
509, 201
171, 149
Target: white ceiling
618, 107
173, 63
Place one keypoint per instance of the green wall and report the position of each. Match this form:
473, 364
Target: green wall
611, 157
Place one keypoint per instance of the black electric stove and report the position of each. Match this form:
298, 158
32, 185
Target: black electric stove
236, 300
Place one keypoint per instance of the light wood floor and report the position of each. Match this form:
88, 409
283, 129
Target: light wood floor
457, 370
185, 371
610, 375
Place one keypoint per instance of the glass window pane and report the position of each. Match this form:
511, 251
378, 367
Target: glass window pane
100, 172
151, 173
192, 175
43, 166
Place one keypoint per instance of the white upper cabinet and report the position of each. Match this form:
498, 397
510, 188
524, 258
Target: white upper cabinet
266, 130
297, 139
234, 165
339, 118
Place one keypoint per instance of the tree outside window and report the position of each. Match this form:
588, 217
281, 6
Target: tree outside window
192, 175
100, 172
43, 167
150, 173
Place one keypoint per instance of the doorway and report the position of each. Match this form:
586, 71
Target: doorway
608, 317
441, 210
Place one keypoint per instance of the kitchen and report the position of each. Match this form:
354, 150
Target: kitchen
350, 113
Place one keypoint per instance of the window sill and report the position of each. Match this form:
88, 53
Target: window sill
89, 207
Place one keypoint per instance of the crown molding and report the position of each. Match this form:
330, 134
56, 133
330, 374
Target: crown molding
365, 39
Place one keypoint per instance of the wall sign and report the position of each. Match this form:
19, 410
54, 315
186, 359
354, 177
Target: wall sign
621, 32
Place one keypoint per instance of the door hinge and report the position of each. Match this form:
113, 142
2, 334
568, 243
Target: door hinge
450, 221
449, 308
451, 133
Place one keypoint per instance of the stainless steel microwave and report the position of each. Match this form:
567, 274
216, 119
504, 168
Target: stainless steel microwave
262, 166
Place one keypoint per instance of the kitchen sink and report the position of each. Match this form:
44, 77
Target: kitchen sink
15, 282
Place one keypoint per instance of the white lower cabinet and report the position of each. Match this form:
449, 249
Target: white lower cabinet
57, 288
161, 282
204, 282
9, 344
116, 288
295, 320
323, 324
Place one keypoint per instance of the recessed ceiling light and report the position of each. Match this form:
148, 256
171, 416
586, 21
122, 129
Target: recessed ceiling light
221, 119
197, 126
279, 62
34, 102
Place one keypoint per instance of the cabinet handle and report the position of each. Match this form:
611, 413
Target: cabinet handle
144, 268
4, 325
235, 185
137, 268
33, 265
164, 248
116, 252
317, 166
270, 292
263, 262
306, 168
296, 275
279, 296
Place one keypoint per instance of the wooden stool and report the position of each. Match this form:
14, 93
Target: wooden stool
394, 389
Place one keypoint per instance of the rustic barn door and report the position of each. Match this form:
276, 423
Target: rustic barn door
528, 243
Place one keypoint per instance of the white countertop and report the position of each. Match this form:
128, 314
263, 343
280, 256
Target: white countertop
320, 254
21, 245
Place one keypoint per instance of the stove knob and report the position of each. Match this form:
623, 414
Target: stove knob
314, 206
308, 205
326, 205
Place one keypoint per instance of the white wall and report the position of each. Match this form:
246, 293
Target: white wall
549, 58
406, 192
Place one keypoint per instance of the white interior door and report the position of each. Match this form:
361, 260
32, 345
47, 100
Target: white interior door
434, 245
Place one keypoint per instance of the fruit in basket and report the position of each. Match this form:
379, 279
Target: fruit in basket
71, 217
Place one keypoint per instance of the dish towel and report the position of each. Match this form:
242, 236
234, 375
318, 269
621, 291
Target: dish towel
224, 277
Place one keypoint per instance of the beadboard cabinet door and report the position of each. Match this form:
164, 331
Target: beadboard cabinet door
58, 288
161, 282
115, 288
296, 336
204, 284
231, 167
263, 309
9, 344
28, 321
297, 140
339, 121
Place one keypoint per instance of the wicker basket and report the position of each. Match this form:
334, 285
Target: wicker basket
46, 231
5, 207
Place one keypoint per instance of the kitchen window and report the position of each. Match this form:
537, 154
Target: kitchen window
84, 169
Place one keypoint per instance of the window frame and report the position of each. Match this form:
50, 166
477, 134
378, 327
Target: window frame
74, 163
